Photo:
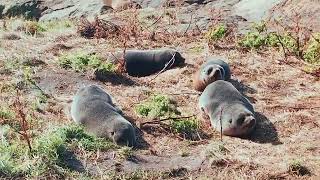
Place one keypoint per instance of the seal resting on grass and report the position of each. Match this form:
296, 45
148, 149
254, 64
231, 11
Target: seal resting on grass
221, 101
93, 108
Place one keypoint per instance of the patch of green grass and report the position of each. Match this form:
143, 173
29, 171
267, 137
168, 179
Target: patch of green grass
57, 25
216, 33
48, 152
40, 99
11, 65
33, 27
6, 113
196, 49
135, 175
125, 152
312, 52
157, 106
253, 40
81, 62
187, 126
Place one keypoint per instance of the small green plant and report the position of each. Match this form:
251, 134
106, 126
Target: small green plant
157, 106
260, 27
253, 40
82, 62
257, 37
6, 113
312, 52
295, 167
57, 25
48, 151
187, 126
217, 33
125, 152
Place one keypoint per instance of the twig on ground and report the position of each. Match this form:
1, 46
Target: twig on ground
156, 21
189, 24
185, 93
220, 119
170, 118
294, 108
165, 67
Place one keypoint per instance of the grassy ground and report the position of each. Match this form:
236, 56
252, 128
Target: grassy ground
285, 144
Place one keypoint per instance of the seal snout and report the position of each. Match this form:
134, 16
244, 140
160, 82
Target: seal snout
240, 126
124, 135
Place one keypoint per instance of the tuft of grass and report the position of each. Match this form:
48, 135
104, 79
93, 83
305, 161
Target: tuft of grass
216, 33
187, 126
125, 152
312, 52
296, 167
48, 152
33, 27
157, 106
253, 40
6, 113
57, 25
81, 62
88, 142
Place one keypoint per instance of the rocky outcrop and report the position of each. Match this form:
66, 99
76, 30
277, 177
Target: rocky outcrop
254, 10
240, 12
308, 10
51, 9
72, 8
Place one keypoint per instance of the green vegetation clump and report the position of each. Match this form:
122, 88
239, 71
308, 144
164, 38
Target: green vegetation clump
259, 37
217, 33
187, 126
48, 151
56, 25
82, 62
6, 113
312, 52
33, 27
253, 40
256, 38
157, 106
160, 106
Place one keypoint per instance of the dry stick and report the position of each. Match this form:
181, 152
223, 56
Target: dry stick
156, 21
295, 108
170, 118
162, 70
185, 93
189, 24
220, 119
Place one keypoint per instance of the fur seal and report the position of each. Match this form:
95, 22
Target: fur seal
146, 62
221, 99
121, 4
213, 69
93, 107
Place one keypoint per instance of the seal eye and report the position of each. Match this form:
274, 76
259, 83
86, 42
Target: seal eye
209, 71
112, 133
